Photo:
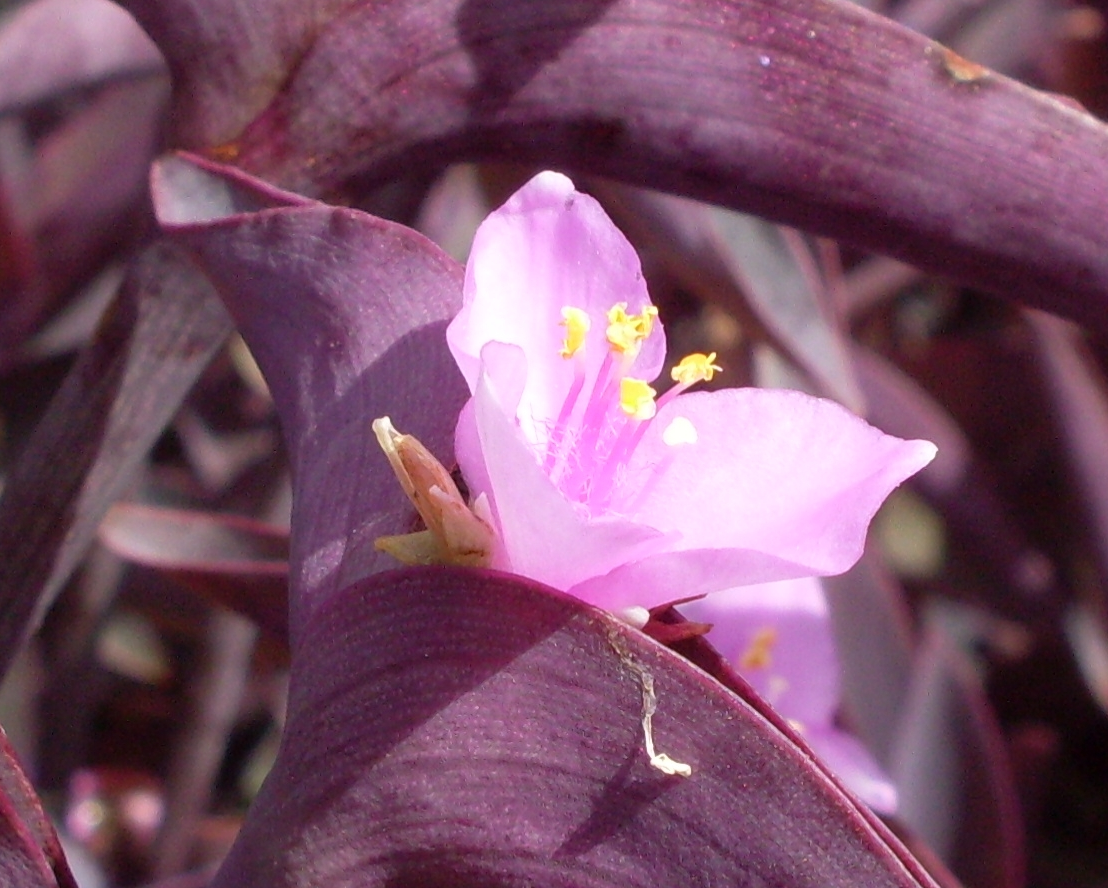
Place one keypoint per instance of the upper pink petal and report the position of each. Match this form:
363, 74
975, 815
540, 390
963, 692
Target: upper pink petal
794, 477
547, 248
544, 535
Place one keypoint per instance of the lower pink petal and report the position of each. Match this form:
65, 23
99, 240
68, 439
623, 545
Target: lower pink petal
673, 575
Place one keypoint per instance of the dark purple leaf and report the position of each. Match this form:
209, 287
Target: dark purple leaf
79, 195
959, 485
346, 315
217, 693
238, 563
873, 634
30, 854
155, 340
951, 767
822, 116
449, 727
1075, 393
48, 47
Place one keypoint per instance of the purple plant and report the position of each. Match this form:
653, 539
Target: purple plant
497, 673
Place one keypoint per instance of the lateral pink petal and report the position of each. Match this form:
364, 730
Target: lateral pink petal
547, 248
778, 472
545, 537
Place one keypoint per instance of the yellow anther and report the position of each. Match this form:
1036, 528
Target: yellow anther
636, 398
626, 332
695, 368
577, 325
759, 655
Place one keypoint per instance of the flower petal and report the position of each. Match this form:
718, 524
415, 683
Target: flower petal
778, 636
673, 575
852, 763
547, 248
778, 472
545, 537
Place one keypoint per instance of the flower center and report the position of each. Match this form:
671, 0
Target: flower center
596, 432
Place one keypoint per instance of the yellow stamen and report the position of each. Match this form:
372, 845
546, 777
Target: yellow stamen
760, 653
627, 332
695, 368
577, 325
636, 398
455, 533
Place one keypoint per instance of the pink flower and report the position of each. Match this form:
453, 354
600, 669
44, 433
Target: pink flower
778, 636
592, 484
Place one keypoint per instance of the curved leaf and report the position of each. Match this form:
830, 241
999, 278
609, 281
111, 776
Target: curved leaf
49, 47
819, 115
346, 316
451, 727
951, 765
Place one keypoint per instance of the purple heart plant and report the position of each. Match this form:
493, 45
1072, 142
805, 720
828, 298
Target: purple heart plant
578, 475
570, 586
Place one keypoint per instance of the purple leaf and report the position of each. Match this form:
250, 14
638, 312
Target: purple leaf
79, 194
1075, 393
448, 727
873, 632
826, 117
155, 340
346, 317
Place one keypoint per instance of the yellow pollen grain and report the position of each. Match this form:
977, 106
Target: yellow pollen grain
636, 398
627, 332
759, 655
696, 368
577, 325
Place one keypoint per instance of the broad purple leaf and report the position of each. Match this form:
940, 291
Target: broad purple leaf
30, 853
823, 116
450, 727
155, 340
346, 315
238, 563
49, 47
